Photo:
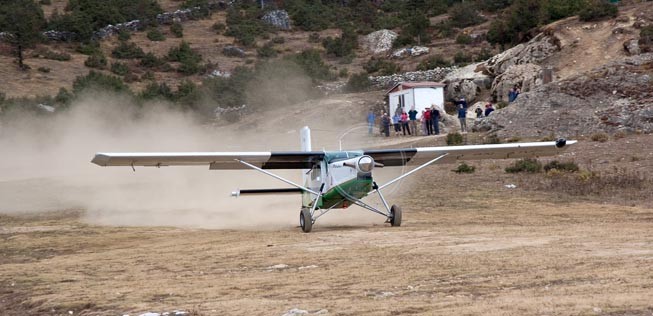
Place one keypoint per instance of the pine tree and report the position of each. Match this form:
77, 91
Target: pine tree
22, 21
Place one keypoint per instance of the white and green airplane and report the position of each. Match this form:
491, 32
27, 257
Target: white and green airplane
333, 179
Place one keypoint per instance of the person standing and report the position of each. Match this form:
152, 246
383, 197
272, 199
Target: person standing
462, 117
371, 118
479, 113
435, 118
426, 116
488, 109
396, 123
385, 121
412, 115
404, 123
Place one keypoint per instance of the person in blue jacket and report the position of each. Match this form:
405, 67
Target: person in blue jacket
462, 117
371, 118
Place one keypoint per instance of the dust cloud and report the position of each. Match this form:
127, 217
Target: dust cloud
45, 166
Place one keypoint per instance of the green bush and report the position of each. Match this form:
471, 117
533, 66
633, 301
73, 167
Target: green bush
43, 69
52, 55
358, 83
463, 39
245, 26
156, 91
89, 49
96, 61
218, 27
598, 9
341, 46
491, 139
462, 58
266, 51
525, 165
454, 139
313, 65
155, 35
432, 62
314, 38
63, 97
381, 67
464, 14
127, 50
464, 168
150, 60
599, 137
189, 59
45, 2
119, 69
561, 166
177, 29
124, 35
98, 80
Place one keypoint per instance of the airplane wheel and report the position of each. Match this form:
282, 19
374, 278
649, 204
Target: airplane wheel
305, 220
395, 213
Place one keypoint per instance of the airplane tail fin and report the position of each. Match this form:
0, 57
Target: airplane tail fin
305, 139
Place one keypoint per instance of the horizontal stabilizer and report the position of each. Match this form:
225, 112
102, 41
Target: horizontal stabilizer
266, 191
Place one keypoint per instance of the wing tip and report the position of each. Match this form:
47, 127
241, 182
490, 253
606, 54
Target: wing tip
100, 160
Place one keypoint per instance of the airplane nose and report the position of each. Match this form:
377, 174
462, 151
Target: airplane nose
365, 164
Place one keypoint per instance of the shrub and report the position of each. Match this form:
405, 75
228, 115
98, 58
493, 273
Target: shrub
96, 61
462, 58
156, 91
188, 58
52, 55
464, 14
599, 137
313, 65
381, 67
278, 40
244, 26
127, 50
598, 9
358, 82
501, 105
218, 27
341, 46
463, 39
525, 165
45, 2
344, 72
464, 168
119, 69
432, 62
177, 29
89, 49
491, 139
124, 35
150, 60
513, 140
314, 38
148, 75
266, 51
561, 166
44, 69
155, 35
63, 97
646, 38
99, 81
454, 139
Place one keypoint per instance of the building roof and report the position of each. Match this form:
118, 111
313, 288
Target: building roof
421, 84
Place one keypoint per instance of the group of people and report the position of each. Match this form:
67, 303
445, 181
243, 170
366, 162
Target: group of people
406, 123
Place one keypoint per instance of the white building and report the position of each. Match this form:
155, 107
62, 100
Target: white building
417, 95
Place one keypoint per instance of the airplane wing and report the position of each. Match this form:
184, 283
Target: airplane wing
215, 160
419, 155
307, 159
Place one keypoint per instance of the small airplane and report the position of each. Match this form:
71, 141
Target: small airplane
333, 179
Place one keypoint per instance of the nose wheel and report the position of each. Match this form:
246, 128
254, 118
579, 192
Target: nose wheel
306, 220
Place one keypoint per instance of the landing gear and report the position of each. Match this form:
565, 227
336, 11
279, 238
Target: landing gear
395, 215
306, 220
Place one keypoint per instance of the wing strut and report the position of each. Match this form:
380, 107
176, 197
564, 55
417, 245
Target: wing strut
409, 173
277, 177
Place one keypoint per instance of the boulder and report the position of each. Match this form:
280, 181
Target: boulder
410, 51
463, 88
632, 47
277, 18
379, 42
233, 51
535, 51
527, 76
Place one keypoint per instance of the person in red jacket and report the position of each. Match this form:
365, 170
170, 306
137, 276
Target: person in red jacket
426, 117
404, 123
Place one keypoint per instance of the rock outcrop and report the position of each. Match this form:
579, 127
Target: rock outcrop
278, 18
526, 76
379, 42
467, 82
535, 51
436, 74
410, 51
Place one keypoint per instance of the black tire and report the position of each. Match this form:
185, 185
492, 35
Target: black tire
395, 213
305, 220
